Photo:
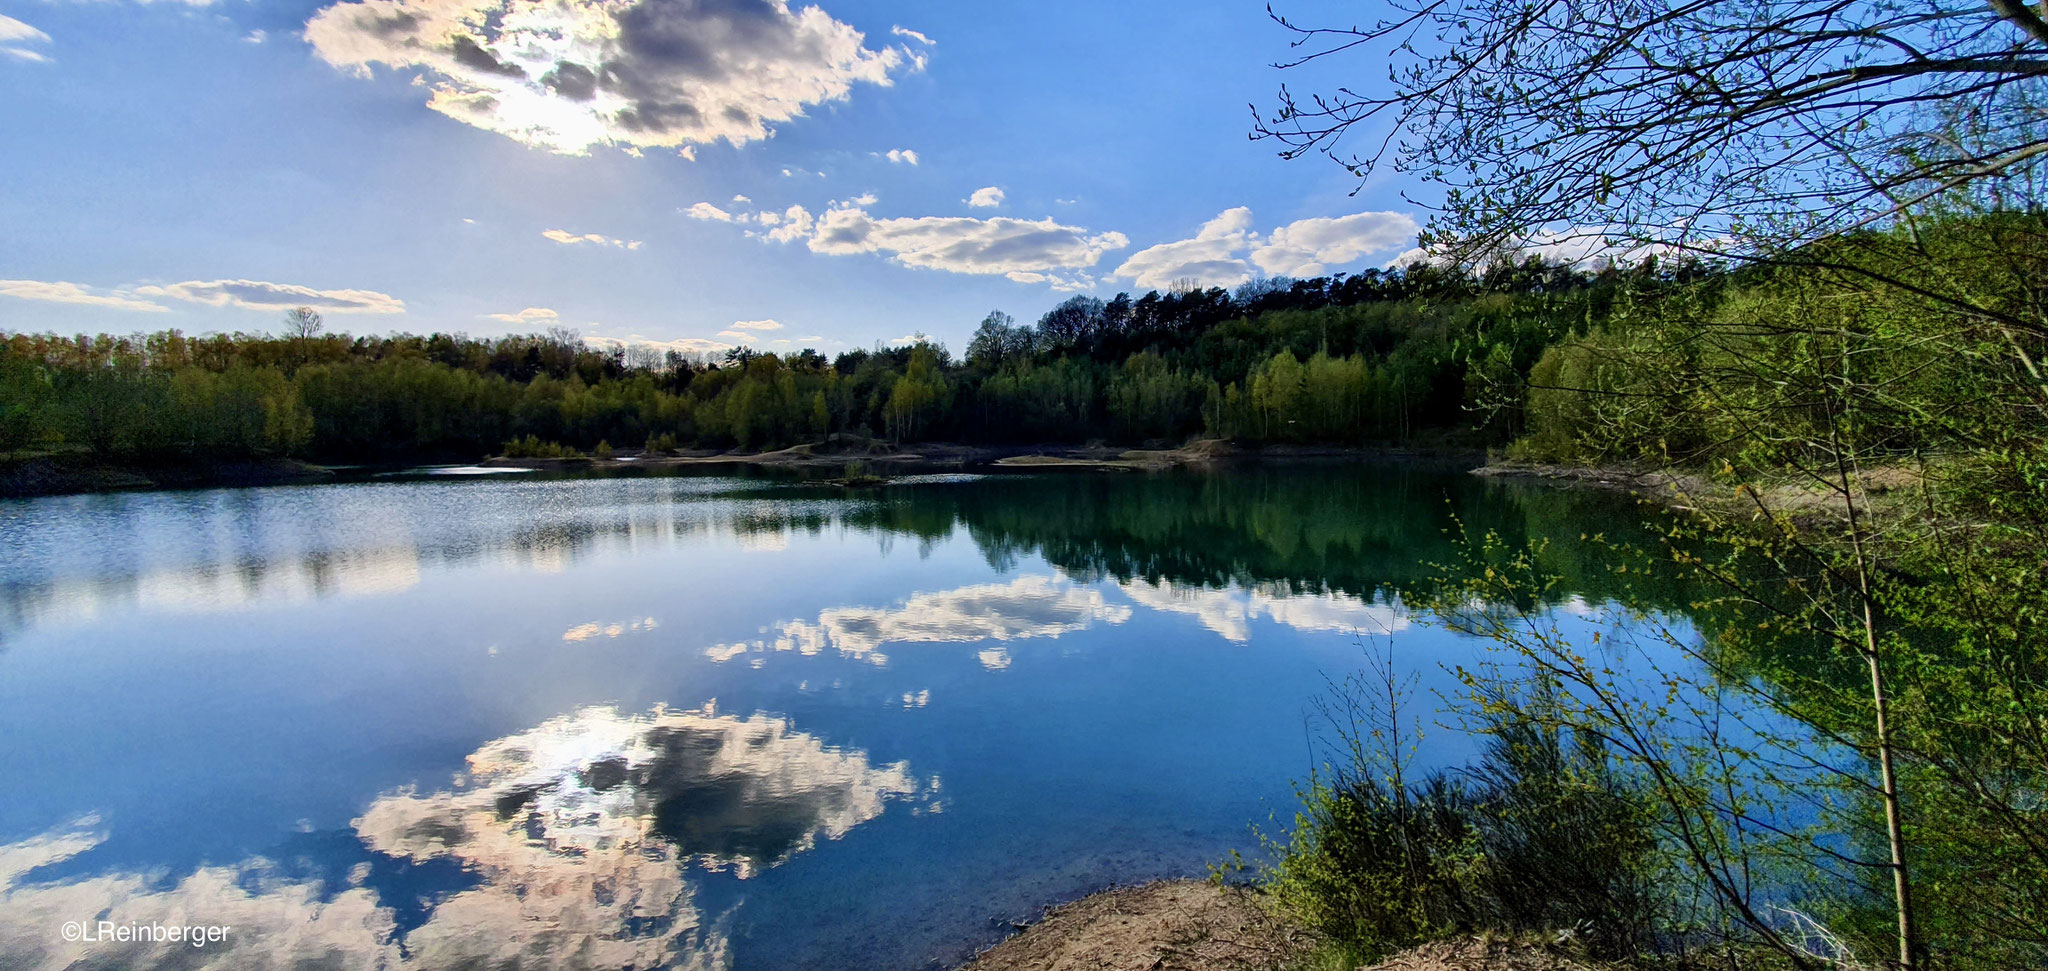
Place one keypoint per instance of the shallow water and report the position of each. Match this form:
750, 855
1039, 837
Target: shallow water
683, 721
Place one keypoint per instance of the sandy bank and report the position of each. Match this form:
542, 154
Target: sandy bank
1186, 925
1181, 924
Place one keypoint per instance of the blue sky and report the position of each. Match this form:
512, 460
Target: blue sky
497, 166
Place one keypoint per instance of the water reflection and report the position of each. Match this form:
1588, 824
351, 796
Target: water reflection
282, 923
596, 629
1230, 611
73, 557
1354, 536
1019, 612
1048, 606
577, 836
1031, 606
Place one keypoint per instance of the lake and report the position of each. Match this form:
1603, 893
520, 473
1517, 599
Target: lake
688, 721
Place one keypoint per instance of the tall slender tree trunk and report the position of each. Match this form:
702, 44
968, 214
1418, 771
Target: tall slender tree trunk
1895, 833
1902, 888
1849, 473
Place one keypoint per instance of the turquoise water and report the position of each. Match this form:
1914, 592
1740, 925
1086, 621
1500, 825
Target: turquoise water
684, 721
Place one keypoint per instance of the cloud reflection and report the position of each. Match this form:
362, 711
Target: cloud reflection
1034, 606
276, 923
596, 629
1229, 612
578, 831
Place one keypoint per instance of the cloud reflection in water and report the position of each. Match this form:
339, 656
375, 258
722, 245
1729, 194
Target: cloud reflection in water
1032, 606
578, 831
1229, 612
1047, 606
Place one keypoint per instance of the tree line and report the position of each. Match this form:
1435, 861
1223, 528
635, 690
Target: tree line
1379, 356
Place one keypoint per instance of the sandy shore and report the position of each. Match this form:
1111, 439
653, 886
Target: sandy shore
1181, 924
1188, 925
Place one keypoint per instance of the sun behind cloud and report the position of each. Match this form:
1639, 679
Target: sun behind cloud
571, 74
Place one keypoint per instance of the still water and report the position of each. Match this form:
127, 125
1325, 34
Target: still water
683, 721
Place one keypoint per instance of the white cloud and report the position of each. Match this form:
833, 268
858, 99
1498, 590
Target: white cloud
741, 200
1308, 247
902, 31
902, 156
1211, 258
567, 238
257, 36
987, 197
531, 315
569, 74
1227, 251
685, 345
795, 214
795, 224
1583, 247
709, 212
15, 38
1000, 246
757, 325
12, 30
1027, 251
61, 292
257, 295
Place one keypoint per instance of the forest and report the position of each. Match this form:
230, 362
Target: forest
1424, 354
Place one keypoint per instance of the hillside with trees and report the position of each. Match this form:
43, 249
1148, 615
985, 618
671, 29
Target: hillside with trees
1422, 354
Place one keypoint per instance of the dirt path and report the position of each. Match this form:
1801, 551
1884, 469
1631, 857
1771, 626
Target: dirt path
1184, 925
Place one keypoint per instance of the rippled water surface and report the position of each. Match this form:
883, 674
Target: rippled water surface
679, 722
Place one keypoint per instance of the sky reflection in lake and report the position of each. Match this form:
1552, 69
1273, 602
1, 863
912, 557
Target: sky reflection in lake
687, 722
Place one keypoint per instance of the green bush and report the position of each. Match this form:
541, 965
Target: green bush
530, 447
1537, 836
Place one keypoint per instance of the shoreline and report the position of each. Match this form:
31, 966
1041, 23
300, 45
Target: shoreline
1192, 925
76, 473
1196, 925
945, 456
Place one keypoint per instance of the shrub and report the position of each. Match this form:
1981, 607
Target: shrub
1537, 836
531, 447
